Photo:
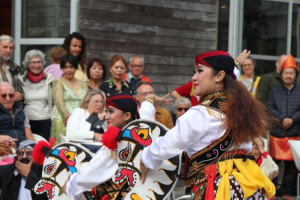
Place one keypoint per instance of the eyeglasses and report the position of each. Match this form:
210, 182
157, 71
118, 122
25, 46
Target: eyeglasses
145, 93
11, 95
36, 62
22, 153
181, 109
136, 66
247, 65
98, 102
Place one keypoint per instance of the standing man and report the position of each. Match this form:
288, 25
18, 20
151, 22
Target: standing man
162, 115
283, 103
136, 67
270, 80
8, 69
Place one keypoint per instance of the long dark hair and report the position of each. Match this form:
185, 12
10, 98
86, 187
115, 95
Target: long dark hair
69, 58
246, 117
82, 55
91, 63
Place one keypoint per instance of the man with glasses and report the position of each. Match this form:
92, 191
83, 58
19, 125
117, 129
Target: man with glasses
13, 120
181, 106
136, 67
162, 115
8, 69
17, 180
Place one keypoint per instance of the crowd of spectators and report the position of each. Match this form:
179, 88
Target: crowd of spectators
59, 99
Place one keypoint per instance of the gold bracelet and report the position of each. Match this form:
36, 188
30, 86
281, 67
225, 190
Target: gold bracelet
236, 62
149, 99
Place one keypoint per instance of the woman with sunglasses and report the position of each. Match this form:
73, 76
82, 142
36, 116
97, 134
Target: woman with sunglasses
37, 87
216, 135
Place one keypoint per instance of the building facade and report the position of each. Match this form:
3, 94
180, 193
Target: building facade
167, 33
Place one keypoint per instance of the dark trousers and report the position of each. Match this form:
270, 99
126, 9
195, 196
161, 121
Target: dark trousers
289, 180
41, 127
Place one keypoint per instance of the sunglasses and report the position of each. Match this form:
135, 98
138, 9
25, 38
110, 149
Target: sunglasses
4, 96
22, 153
181, 109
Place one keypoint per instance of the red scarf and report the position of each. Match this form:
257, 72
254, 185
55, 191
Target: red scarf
35, 78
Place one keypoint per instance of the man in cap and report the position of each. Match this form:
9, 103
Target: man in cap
283, 103
17, 180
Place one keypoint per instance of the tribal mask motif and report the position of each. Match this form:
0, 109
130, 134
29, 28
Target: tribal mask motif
62, 161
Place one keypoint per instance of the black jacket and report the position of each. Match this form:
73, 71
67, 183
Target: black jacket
10, 184
284, 103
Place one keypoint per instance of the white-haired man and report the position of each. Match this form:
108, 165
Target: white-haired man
136, 67
8, 69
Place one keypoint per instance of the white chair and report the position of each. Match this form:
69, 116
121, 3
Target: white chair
63, 138
295, 147
185, 197
38, 138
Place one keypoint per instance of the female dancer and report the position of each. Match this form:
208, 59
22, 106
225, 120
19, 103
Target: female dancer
216, 135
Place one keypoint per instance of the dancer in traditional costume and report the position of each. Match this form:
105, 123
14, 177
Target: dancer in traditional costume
121, 109
216, 135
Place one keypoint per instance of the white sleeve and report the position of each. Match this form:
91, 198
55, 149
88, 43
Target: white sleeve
99, 170
147, 110
237, 73
26, 121
78, 127
188, 130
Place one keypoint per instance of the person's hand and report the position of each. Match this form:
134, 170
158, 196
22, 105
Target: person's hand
97, 136
243, 56
7, 140
66, 118
23, 168
101, 116
144, 171
286, 123
162, 100
18, 96
259, 144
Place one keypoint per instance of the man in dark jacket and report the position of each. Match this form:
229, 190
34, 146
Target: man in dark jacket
270, 80
284, 103
13, 121
17, 180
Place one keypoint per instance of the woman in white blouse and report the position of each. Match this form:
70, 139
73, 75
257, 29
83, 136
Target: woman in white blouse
78, 127
37, 87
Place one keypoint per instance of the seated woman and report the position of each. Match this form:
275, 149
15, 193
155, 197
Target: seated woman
78, 127
264, 160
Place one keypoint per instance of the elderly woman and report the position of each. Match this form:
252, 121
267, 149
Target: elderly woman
96, 73
75, 44
68, 93
249, 79
37, 87
115, 84
78, 126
